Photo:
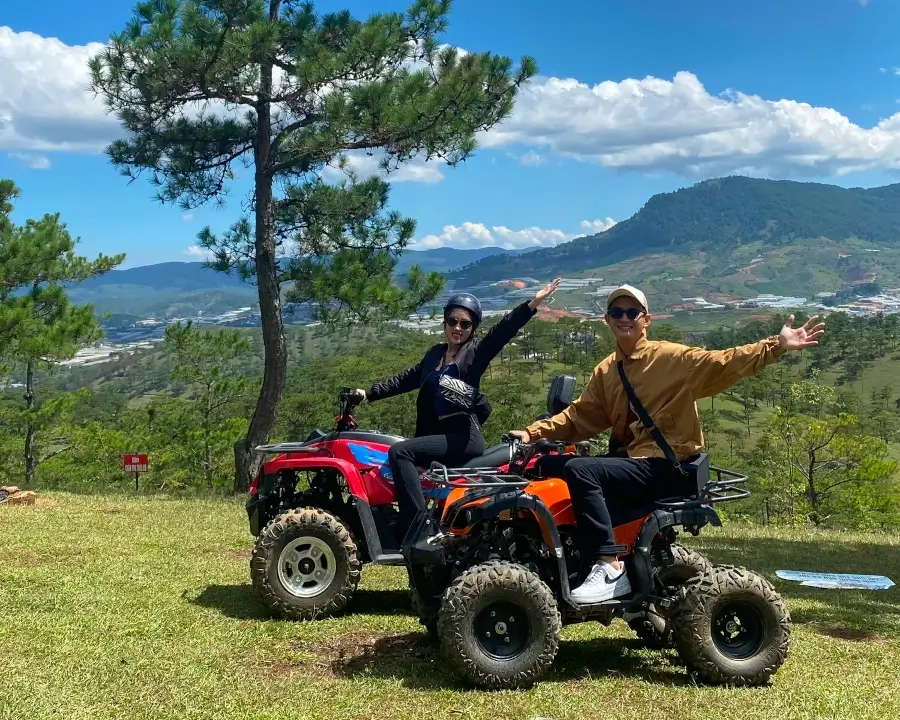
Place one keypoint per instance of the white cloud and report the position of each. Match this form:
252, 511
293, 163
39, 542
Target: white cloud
532, 159
187, 217
415, 170
195, 252
45, 103
593, 227
655, 124
471, 235
32, 160
651, 124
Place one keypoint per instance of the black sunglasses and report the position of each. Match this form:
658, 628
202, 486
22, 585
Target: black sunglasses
618, 313
453, 322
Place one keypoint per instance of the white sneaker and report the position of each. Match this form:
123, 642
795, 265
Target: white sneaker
603, 582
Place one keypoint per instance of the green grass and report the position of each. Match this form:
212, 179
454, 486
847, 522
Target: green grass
115, 607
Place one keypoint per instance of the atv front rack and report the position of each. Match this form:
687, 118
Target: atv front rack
442, 476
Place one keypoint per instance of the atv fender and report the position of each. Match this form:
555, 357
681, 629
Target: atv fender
257, 506
515, 500
641, 569
307, 464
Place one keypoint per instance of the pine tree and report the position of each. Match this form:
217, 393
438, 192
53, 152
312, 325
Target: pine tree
201, 85
38, 324
208, 361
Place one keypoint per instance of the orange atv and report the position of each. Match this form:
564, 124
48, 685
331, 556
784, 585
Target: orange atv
491, 577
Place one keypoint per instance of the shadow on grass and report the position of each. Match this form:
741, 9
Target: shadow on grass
420, 665
844, 614
242, 602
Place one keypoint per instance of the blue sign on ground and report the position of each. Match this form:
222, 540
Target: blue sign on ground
837, 580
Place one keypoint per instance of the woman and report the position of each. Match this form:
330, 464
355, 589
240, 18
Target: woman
450, 408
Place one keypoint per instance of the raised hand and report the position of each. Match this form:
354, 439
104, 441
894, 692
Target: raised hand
805, 336
544, 293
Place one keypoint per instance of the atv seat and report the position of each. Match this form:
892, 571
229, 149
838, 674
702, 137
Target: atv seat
493, 457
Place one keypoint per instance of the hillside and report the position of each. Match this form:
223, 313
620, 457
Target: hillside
186, 288
717, 228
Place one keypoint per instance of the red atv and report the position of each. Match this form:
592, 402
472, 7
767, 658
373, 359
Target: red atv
323, 507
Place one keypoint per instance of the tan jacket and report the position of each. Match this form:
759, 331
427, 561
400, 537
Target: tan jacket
667, 378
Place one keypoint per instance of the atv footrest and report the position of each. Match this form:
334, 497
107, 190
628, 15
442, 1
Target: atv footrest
390, 559
605, 605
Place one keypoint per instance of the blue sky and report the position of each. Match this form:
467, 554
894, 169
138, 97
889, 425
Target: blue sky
633, 98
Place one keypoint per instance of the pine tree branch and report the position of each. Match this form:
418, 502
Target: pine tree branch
53, 454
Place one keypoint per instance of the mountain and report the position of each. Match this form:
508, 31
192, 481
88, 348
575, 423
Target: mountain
448, 259
724, 224
184, 288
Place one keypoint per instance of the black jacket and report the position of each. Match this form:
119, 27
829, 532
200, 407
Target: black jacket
472, 359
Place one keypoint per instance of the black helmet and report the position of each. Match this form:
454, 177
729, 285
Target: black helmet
466, 302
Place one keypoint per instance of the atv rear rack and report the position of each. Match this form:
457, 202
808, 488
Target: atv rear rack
290, 448
722, 489
442, 476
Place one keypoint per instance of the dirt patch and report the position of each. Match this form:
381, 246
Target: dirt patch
348, 655
239, 554
21, 557
45, 503
852, 634
547, 314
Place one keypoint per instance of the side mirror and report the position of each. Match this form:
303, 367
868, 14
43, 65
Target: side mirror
561, 394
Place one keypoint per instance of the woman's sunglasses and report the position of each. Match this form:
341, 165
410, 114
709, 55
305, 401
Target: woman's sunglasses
453, 322
618, 313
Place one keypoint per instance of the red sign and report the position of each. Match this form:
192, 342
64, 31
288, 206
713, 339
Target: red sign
135, 463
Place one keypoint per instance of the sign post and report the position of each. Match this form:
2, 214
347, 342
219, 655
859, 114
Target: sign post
135, 463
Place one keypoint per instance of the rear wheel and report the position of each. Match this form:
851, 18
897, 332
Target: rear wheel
306, 565
499, 625
731, 627
652, 625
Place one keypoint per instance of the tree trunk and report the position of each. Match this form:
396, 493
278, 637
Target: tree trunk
207, 431
815, 499
30, 461
246, 463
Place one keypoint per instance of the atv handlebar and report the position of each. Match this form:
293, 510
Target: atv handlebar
348, 400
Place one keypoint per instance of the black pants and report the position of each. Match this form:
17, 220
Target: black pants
608, 491
460, 441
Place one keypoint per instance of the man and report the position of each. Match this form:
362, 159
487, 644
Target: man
667, 379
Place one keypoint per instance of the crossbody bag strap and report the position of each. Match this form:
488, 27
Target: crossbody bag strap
647, 422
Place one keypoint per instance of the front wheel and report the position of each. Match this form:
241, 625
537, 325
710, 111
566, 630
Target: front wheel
305, 565
499, 626
426, 612
731, 627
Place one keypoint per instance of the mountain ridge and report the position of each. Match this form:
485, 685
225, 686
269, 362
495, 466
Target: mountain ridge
184, 286
715, 216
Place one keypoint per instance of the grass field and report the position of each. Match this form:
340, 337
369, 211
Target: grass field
135, 608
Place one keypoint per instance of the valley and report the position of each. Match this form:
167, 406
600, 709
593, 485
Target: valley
723, 251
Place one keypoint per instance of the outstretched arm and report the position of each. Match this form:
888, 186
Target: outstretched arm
403, 382
505, 330
583, 419
710, 372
